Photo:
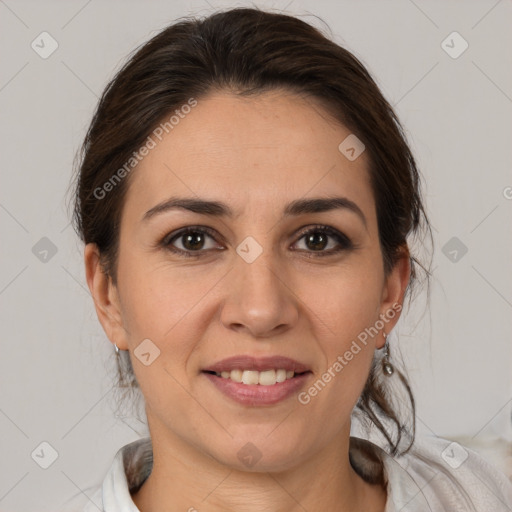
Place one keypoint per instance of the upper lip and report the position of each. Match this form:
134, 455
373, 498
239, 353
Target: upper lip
260, 364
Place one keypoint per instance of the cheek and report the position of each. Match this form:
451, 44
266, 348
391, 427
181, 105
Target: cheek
347, 300
346, 309
156, 296
169, 306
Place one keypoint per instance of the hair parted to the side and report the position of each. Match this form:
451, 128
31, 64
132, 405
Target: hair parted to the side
248, 51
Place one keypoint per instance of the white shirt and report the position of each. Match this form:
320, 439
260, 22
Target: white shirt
436, 475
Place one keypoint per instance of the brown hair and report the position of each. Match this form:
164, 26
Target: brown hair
248, 51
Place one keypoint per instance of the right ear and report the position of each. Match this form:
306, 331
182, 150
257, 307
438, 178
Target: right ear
105, 297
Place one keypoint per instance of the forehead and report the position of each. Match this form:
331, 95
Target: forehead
252, 151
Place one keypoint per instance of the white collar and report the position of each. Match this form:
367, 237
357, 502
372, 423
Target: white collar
419, 481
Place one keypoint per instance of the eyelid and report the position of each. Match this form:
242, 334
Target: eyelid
327, 229
343, 240
166, 240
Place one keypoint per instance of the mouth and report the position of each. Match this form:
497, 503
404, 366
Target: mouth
258, 381
260, 378
258, 364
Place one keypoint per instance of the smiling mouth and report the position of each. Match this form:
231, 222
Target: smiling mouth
261, 378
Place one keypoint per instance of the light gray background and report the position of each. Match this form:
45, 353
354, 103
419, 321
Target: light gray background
56, 365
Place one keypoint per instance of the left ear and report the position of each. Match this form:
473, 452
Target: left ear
394, 291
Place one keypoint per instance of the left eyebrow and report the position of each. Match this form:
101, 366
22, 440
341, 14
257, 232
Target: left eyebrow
323, 204
219, 209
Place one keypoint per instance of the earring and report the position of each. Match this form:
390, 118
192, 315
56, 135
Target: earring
387, 368
116, 348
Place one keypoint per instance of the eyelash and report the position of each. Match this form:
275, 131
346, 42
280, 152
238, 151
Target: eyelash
343, 240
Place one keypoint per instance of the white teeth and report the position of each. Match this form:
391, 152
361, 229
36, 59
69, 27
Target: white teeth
281, 375
236, 375
267, 378
250, 377
264, 378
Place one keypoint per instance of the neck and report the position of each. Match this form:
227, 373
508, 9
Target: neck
185, 478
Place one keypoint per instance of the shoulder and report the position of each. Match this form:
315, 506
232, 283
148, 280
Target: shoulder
438, 474
131, 465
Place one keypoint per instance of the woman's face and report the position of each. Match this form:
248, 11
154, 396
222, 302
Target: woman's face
250, 282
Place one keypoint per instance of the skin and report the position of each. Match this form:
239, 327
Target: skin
256, 154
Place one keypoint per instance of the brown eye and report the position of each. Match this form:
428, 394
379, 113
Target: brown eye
319, 238
190, 240
316, 240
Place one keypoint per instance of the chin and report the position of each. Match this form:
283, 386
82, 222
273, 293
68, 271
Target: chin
269, 453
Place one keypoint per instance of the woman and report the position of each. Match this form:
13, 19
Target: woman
245, 195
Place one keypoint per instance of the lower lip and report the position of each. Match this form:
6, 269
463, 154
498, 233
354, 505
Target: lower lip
256, 394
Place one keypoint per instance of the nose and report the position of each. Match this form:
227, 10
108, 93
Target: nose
259, 300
